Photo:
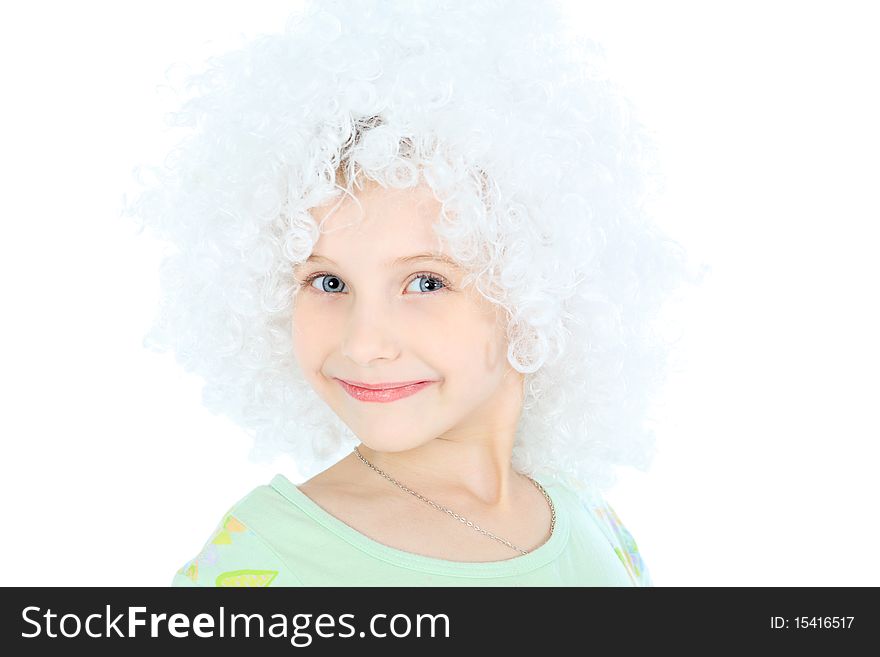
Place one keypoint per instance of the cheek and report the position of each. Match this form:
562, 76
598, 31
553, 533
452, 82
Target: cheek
307, 336
471, 347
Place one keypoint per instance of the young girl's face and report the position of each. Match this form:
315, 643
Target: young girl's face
364, 313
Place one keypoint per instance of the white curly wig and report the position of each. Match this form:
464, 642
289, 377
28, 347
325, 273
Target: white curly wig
542, 173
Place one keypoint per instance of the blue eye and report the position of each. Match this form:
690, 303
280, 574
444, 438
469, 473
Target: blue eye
332, 284
433, 281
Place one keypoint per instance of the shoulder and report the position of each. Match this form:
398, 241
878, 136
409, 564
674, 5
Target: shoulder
235, 554
625, 546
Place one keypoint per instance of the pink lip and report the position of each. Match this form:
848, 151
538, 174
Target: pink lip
388, 393
382, 386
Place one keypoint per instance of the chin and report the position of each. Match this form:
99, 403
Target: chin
387, 443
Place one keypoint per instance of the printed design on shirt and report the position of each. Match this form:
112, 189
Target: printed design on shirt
626, 549
222, 535
246, 578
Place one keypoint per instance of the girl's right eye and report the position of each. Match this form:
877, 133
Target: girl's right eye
334, 284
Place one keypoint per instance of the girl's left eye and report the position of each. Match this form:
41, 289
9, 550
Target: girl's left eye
432, 281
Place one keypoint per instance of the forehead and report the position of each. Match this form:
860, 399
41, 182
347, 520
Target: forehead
374, 199
393, 222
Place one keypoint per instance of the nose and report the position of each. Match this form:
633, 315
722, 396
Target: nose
369, 334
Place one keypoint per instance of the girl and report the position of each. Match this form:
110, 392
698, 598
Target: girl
412, 254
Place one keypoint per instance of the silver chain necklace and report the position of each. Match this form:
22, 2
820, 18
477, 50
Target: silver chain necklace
460, 518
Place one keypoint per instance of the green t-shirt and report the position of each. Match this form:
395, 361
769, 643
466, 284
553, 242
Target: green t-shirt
278, 536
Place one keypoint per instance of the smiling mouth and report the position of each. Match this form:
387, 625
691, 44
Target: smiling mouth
383, 386
384, 394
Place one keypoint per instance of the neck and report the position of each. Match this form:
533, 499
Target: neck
450, 470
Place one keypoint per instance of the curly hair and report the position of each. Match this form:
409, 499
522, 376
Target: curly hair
540, 166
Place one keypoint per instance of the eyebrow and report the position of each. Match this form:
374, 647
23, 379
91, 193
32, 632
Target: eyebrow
439, 257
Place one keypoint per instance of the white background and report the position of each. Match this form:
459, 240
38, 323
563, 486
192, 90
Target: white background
114, 474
